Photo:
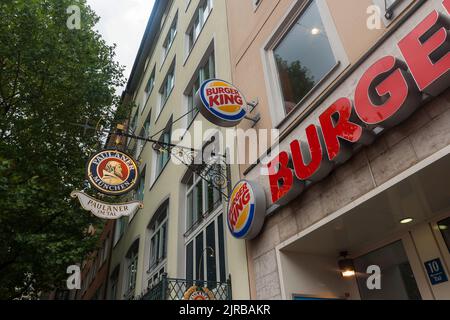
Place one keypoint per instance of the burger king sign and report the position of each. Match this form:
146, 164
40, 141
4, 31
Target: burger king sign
221, 103
246, 210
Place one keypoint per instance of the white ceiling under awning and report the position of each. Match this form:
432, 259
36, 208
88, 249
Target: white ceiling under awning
422, 196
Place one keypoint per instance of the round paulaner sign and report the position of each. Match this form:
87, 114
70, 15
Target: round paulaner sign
246, 210
221, 103
112, 172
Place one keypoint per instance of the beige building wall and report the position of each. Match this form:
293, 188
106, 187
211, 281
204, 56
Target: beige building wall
214, 35
424, 134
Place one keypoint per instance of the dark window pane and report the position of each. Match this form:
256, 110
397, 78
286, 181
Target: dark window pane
221, 248
303, 57
190, 261
444, 226
211, 260
199, 262
398, 282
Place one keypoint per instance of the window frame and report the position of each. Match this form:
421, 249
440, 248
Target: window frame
131, 274
209, 60
273, 85
199, 11
164, 91
159, 220
192, 238
169, 40
148, 92
205, 212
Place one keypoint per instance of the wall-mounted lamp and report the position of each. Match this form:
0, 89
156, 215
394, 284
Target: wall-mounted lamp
346, 265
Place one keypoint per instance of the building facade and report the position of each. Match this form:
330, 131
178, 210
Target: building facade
365, 192
180, 235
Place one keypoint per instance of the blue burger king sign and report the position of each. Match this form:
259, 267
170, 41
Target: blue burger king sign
221, 103
246, 210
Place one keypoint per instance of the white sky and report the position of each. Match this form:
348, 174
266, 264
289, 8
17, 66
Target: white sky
123, 22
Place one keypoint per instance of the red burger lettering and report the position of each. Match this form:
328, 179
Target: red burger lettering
283, 186
446, 5
336, 125
307, 159
386, 94
425, 50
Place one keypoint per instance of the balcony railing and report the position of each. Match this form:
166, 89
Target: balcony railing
175, 289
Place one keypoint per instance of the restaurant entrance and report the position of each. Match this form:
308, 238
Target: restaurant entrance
397, 241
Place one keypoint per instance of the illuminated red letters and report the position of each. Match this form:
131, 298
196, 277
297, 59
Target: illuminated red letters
336, 125
281, 177
387, 94
307, 163
426, 51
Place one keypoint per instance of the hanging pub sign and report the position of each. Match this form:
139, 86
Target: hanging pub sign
112, 172
198, 293
246, 210
221, 103
105, 210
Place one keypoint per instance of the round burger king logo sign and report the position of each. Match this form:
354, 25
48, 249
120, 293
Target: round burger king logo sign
112, 172
246, 210
221, 103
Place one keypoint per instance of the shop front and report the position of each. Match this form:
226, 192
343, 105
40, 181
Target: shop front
396, 241
358, 194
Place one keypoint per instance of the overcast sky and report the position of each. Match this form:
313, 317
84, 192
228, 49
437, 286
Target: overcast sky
123, 22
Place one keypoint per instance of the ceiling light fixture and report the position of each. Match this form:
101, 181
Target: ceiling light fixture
406, 220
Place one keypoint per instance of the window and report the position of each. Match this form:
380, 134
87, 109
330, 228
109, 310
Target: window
167, 87
148, 88
132, 264
205, 253
303, 57
158, 238
163, 155
201, 199
206, 71
133, 122
141, 187
119, 229
147, 125
170, 37
139, 145
199, 20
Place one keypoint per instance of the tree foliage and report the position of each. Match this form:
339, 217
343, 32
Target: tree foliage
51, 77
